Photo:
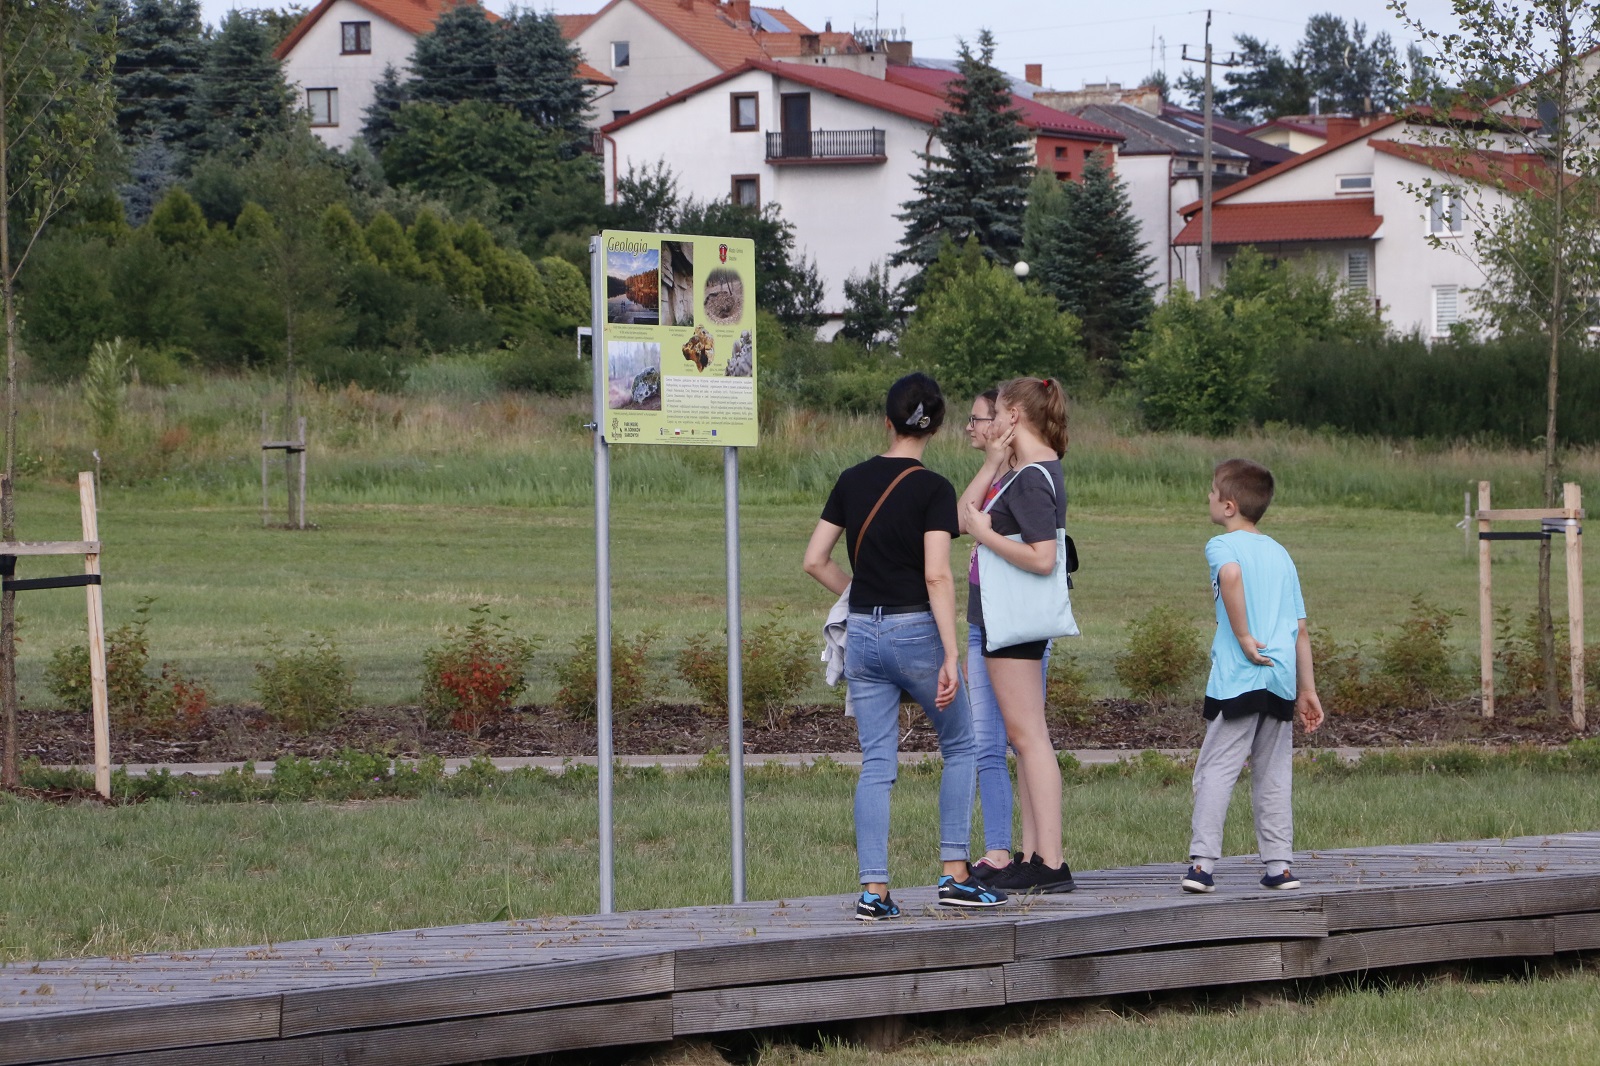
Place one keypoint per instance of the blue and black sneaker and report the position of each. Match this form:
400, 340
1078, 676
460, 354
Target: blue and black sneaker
1287, 879
872, 907
968, 893
1197, 880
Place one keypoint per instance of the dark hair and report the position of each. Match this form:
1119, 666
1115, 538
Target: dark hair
1249, 485
915, 406
1043, 404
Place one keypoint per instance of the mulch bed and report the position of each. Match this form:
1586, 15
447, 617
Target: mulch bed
232, 734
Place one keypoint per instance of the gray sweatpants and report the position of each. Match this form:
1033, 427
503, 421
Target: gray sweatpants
1269, 745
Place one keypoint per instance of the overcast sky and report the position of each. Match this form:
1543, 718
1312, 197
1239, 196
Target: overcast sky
1075, 42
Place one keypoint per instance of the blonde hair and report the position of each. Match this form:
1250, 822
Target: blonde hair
1043, 405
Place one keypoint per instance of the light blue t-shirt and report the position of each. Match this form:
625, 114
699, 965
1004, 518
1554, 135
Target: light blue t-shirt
1273, 608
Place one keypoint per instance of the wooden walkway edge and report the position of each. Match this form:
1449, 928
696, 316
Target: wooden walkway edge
463, 993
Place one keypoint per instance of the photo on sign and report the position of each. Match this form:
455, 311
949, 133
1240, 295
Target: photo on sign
742, 363
677, 281
724, 296
633, 370
633, 287
699, 349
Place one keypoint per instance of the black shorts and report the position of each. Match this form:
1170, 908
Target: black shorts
1033, 649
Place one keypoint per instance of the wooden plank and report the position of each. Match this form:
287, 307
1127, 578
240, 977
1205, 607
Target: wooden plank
1432, 943
1144, 971
1525, 514
721, 1009
1575, 932
1573, 499
459, 995
1182, 921
214, 1021
1485, 605
857, 951
1469, 900
436, 1043
49, 547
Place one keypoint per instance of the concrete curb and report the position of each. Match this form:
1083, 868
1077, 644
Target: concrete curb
558, 764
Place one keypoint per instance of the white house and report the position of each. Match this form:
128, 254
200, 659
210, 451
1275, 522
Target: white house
335, 55
1348, 206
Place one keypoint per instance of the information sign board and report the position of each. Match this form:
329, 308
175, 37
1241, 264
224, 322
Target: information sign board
679, 339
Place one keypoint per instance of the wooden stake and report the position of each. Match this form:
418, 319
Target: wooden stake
97, 640
1485, 609
266, 519
301, 502
1572, 500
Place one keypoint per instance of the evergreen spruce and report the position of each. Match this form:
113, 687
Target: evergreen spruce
1047, 202
537, 72
378, 120
242, 97
978, 186
1093, 262
456, 61
160, 51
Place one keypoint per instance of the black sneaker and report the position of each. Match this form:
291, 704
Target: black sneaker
1035, 876
983, 869
1010, 876
872, 907
1287, 879
1197, 880
968, 893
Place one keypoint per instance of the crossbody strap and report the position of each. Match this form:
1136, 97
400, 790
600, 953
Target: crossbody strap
861, 536
1048, 480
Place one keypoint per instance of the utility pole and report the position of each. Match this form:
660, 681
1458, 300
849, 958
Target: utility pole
1205, 155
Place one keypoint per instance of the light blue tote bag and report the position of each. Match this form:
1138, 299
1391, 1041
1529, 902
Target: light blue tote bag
1020, 606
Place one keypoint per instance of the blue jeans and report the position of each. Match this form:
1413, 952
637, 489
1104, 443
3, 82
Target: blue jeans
989, 737
885, 655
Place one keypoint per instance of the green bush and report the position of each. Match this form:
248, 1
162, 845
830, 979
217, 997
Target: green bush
476, 673
1066, 687
1415, 665
129, 687
777, 663
632, 682
542, 363
1337, 669
305, 689
1165, 656
1521, 668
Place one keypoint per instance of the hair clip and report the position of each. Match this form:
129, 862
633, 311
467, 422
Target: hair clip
918, 420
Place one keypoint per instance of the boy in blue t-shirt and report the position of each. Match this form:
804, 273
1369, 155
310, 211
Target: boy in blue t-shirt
1261, 680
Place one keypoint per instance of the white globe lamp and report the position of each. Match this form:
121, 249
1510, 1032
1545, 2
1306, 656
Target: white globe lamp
1020, 268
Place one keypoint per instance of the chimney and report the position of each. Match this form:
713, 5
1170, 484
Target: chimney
810, 44
740, 10
899, 53
1342, 128
1033, 73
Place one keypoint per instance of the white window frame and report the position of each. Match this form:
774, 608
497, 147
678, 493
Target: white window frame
621, 55
1446, 212
1351, 257
331, 99
1352, 185
1446, 308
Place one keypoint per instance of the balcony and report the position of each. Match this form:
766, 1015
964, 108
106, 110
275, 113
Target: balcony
825, 147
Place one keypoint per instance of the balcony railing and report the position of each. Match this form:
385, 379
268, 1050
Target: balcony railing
826, 146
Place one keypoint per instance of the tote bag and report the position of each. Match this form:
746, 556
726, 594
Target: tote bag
1020, 606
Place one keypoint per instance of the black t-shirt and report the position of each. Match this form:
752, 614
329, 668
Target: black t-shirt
888, 568
1029, 507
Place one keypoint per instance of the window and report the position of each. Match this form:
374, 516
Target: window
1446, 309
744, 112
324, 106
356, 38
1445, 213
1061, 151
747, 190
619, 54
1348, 183
1358, 270
620, 114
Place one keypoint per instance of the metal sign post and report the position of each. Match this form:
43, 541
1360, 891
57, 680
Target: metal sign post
602, 575
730, 477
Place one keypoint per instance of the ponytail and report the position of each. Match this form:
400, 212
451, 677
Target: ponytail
1043, 404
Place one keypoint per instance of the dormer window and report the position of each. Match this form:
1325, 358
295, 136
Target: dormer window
355, 38
1347, 184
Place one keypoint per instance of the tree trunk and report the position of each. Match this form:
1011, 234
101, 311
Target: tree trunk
1555, 319
8, 505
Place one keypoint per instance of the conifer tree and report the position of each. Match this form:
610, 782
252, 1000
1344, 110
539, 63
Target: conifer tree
242, 97
978, 186
389, 95
160, 51
1092, 261
537, 72
456, 61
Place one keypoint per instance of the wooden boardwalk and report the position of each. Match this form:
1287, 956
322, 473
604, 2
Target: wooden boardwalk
481, 991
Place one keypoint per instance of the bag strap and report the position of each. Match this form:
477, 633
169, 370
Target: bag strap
1048, 480
861, 536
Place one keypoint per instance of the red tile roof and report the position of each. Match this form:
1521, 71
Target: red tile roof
588, 74
572, 25
1034, 115
788, 45
708, 27
1287, 165
1516, 171
793, 24
1294, 220
416, 17
1315, 125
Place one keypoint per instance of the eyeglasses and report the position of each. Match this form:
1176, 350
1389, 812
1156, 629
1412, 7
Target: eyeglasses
974, 418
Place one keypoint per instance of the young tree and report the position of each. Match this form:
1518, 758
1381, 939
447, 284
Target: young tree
242, 96
1047, 203
378, 121
874, 306
1539, 238
978, 185
56, 102
1094, 263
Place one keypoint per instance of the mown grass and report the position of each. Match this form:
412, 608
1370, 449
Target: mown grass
90, 880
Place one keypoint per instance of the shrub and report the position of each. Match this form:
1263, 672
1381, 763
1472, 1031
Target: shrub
632, 684
1414, 663
1522, 668
105, 384
1166, 654
541, 364
476, 673
128, 687
1066, 687
180, 702
305, 689
1337, 668
777, 663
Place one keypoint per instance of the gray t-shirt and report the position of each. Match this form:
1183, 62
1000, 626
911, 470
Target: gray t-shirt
1027, 507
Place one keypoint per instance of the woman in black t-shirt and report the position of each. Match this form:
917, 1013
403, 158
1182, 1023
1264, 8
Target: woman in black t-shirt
1031, 425
898, 518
